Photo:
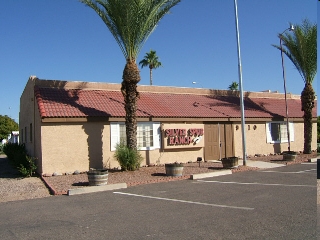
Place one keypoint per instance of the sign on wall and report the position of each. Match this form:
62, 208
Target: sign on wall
183, 135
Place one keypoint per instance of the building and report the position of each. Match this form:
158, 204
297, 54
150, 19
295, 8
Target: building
13, 137
71, 126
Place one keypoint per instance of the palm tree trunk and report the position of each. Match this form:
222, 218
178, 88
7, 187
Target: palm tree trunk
150, 75
131, 76
307, 103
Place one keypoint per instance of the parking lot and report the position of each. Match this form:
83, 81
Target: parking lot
277, 203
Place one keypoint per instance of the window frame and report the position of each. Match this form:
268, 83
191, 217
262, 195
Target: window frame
284, 124
115, 135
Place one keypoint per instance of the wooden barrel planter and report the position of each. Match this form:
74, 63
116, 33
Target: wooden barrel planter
98, 177
289, 155
229, 162
174, 169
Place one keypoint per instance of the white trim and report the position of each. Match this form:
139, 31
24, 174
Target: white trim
268, 133
269, 136
291, 131
156, 135
114, 135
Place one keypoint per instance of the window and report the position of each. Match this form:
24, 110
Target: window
148, 135
21, 135
277, 132
25, 135
30, 132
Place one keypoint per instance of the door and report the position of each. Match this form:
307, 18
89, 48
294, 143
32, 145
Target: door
229, 144
218, 141
212, 142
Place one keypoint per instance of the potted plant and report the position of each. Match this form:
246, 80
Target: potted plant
97, 177
229, 162
174, 169
289, 155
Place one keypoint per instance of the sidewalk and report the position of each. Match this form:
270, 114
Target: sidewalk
261, 164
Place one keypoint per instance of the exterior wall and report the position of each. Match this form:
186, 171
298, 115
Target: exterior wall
69, 147
37, 152
256, 140
157, 156
169, 156
26, 116
29, 114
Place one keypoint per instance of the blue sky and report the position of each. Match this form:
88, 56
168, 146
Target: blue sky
65, 40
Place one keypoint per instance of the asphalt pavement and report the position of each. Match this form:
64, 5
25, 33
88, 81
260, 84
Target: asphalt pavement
273, 203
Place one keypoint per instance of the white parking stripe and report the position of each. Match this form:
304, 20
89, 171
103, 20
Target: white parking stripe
184, 201
263, 184
303, 171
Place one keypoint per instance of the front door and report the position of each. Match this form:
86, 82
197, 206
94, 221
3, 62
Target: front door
218, 141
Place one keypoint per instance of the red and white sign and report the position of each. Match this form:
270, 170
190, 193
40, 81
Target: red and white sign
183, 135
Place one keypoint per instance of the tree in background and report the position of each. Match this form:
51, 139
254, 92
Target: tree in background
7, 125
300, 46
131, 23
150, 59
233, 86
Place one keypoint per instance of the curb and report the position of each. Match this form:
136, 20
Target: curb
77, 191
51, 189
312, 160
210, 174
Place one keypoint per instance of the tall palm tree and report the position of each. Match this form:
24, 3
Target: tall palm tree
151, 60
131, 22
300, 46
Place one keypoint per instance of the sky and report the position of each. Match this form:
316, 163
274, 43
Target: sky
196, 42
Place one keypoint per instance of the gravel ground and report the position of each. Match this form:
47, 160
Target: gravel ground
13, 188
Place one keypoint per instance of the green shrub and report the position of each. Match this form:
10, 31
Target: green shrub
29, 168
19, 158
129, 159
13, 149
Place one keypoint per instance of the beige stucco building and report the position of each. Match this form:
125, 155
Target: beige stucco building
74, 126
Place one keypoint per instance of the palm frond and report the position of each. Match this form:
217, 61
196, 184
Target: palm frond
301, 48
131, 21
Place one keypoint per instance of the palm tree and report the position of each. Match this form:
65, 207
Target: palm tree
151, 60
233, 86
131, 22
301, 48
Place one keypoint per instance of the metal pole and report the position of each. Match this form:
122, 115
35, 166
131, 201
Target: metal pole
241, 88
285, 90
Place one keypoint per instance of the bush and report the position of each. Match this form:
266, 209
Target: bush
29, 168
19, 158
13, 149
129, 159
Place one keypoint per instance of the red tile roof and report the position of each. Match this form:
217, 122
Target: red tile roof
54, 102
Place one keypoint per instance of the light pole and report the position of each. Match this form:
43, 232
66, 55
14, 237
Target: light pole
243, 131
291, 28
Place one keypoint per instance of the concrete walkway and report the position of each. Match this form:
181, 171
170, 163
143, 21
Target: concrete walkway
260, 164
